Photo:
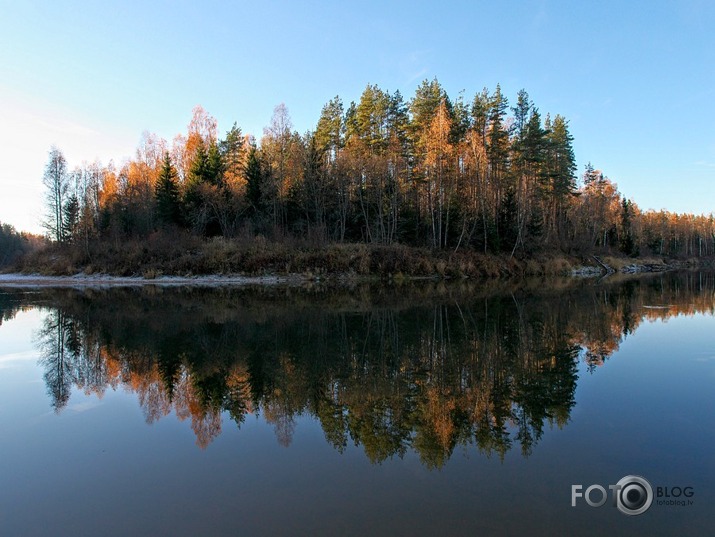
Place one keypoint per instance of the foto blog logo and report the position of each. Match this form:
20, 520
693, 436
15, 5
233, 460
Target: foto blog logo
632, 495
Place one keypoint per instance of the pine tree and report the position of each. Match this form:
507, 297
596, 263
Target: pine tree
399, 121
328, 132
561, 159
423, 107
498, 148
533, 143
461, 120
522, 112
480, 111
372, 119
558, 175
591, 176
424, 104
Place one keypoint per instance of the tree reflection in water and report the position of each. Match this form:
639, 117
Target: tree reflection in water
424, 368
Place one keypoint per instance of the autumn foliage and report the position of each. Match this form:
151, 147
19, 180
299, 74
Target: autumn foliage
431, 172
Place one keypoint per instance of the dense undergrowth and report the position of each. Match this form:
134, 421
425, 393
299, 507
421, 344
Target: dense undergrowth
185, 254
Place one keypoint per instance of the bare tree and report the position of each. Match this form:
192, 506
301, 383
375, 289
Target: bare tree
56, 181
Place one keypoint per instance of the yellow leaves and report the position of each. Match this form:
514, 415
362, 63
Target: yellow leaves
109, 190
438, 146
439, 412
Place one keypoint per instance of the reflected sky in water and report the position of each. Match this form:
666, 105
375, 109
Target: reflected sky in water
422, 410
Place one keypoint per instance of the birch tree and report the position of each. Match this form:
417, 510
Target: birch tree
56, 182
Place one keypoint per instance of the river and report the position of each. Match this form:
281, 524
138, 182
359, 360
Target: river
422, 409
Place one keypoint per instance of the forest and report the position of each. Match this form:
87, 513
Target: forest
14, 244
439, 174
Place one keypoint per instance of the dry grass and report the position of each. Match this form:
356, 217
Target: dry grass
184, 255
557, 265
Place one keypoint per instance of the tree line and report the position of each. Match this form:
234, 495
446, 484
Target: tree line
13, 244
431, 171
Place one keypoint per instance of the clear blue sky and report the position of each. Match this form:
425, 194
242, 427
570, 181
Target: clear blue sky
636, 80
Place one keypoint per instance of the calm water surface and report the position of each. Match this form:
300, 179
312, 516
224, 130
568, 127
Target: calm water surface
416, 410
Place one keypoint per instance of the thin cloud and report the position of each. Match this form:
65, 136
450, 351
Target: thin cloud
704, 164
414, 66
64, 127
417, 76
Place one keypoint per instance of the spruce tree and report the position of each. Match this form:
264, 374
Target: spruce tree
70, 218
627, 240
214, 167
233, 155
254, 180
166, 193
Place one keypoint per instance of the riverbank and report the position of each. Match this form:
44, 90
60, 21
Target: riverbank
259, 262
186, 256
603, 266
82, 280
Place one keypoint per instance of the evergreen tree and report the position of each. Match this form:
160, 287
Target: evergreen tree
480, 111
522, 112
329, 131
254, 180
398, 116
423, 108
233, 153
424, 104
214, 167
202, 174
461, 120
498, 148
508, 220
310, 196
12, 244
558, 177
627, 241
561, 160
350, 121
591, 175
533, 143
70, 218
199, 169
372, 116
206, 167
166, 193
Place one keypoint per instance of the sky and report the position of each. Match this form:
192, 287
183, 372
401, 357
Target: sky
636, 80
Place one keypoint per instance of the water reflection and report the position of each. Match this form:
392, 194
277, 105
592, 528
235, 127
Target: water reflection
425, 368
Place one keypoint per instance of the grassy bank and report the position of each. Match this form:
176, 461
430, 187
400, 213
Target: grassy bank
188, 256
